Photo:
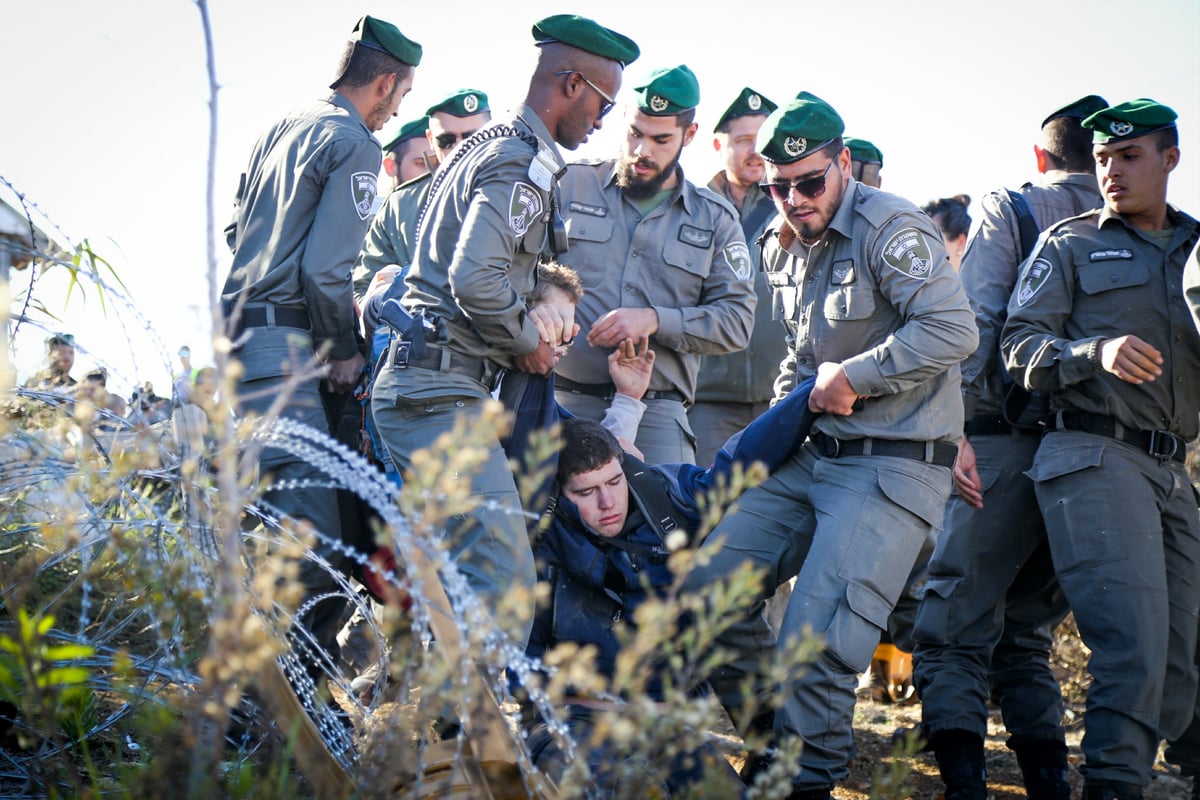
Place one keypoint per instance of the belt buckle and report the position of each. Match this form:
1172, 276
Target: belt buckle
1156, 437
400, 359
826, 442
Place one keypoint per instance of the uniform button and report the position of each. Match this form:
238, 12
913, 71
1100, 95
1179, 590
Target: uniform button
1179, 379
689, 262
1115, 278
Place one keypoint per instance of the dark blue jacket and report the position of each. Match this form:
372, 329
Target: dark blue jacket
595, 583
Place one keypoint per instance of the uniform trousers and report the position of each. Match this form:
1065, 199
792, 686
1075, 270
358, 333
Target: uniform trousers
411, 408
1125, 538
664, 434
850, 529
714, 423
991, 602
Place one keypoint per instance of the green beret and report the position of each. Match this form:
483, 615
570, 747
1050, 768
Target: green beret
581, 32
461, 103
747, 103
794, 131
668, 91
409, 130
1080, 109
864, 151
1129, 120
386, 38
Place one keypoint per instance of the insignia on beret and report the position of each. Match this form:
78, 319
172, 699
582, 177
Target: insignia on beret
795, 145
470, 103
658, 103
754, 101
1120, 128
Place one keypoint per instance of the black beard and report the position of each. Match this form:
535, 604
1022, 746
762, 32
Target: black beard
636, 188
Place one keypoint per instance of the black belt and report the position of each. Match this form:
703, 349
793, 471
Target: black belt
440, 359
941, 454
606, 391
1160, 444
994, 425
274, 316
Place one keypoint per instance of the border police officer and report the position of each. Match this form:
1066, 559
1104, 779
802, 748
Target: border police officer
658, 257
875, 312
991, 575
1098, 319
489, 218
301, 210
735, 388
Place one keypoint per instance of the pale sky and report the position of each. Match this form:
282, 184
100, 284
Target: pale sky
105, 122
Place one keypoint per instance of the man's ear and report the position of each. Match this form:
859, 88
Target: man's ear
1171, 158
390, 165
1043, 163
689, 133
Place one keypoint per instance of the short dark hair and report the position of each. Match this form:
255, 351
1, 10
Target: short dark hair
558, 276
1167, 138
685, 117
1068, 145
586, 445
361, 65
950, 213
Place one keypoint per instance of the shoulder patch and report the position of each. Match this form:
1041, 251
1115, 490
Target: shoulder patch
909, 253
696, 237
1036, 273
524, 207
737, 256
1108, 255
363, 187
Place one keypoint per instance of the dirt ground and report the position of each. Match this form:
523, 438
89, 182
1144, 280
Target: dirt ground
875, 722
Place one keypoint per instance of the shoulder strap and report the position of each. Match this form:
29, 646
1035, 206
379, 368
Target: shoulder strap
652, 496
1026, 224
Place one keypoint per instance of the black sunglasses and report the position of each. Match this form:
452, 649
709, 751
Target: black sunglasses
812, 188
445, 141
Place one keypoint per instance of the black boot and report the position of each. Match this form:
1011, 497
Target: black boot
811, 794
960, 759
762, 726
1111, 790
1044, 768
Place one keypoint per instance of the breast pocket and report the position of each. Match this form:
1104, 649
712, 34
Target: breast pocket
589, 240
849, 303
1106, 276
687, 267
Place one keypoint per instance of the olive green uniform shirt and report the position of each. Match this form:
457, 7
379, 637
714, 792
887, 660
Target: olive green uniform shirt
483, 232
687, 259
300, 213
877, 294
989, 271
392, 237
1096, 277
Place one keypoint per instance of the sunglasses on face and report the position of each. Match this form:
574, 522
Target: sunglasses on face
445, 141
609, 102
812, 188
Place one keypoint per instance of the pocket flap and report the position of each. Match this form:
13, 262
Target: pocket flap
913, 495
588, 228
1108, 275
868, 604
1064, 461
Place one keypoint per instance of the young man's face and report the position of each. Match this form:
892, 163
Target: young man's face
446, 131
1133, 174
743, 164
806, 215
602, 496
62, 358
651, 152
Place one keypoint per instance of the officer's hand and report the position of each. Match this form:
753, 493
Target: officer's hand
630, 367
555, 324
1130, 359
344, 375
623, 323
966, 475
832, 393
537, 362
